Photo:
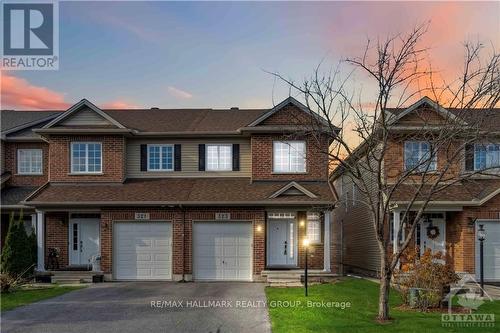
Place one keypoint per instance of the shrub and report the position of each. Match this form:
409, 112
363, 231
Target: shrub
428, 274
17, 259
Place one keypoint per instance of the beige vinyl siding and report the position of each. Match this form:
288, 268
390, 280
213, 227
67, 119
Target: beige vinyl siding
360, 252
189, 158
85, 117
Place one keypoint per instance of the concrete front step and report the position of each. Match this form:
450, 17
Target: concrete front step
284, 285
73, 276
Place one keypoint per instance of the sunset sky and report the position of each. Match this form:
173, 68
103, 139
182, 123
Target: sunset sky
144, 54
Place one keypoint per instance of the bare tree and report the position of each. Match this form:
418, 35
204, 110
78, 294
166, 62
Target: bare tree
397, 68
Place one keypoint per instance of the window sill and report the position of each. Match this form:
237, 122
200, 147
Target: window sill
288, 173
28, 174
158, 171
231, 170
85, 174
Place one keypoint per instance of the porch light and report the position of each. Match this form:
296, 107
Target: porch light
259, 228
302, 223
305, 242
481, 233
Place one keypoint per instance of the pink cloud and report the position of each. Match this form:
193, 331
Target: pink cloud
119, 104
18, 93
178, 93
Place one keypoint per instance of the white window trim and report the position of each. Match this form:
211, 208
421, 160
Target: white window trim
475, 151
315, 218
289, 164
19, 172
433, 159
218, 145
161, 153
86, 158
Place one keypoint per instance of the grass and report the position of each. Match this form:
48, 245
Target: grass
21, 297
360, 316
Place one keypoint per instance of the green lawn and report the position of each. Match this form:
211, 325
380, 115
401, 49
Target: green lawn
26, 296
360, 316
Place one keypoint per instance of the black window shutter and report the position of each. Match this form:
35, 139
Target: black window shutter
469, 157
236, 157
201, 157
144, 157
177, 157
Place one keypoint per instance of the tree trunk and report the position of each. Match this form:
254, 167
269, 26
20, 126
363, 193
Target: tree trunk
383, 299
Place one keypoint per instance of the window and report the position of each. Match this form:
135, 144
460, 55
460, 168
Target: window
313, 228
289, 156
86, 157
418, 156
486, 156
160, 157
29, 161
219, 157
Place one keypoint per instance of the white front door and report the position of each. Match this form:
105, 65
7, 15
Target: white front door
222, 251
83, 240
436, 244
491, 251
281, 247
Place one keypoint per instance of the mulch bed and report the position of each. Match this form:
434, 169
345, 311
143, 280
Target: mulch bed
454, 309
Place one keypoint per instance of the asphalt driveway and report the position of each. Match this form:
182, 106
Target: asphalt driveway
146, 307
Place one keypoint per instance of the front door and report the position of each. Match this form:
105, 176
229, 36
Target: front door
83, 240
435, 239
281, 243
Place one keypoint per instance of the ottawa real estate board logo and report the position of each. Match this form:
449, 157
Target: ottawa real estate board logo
30, 33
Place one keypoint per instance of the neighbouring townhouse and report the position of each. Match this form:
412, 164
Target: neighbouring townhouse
453, 215
170, 194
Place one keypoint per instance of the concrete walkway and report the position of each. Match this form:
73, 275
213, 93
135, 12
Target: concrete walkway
147, 307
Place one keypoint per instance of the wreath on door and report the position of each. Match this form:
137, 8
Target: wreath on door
433, 232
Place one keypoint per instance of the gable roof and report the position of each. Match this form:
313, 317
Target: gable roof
13, 121
157, 121
399, 113
79, 106
292, 185
288, 101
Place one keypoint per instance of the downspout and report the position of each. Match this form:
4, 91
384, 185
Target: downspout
183, 280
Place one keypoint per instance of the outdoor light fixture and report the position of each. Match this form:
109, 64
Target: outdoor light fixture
481, 237
302, 223
305, 242
259, 228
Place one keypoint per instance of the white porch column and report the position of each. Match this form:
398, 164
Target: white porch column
40, 241
33, 222
395, 223
326, 242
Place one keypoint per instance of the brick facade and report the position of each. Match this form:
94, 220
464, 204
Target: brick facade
56, 228
262, 159
56, 236
113, 158
16, 179
182, 232
460, 234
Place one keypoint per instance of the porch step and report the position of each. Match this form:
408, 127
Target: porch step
72, 276
294, 278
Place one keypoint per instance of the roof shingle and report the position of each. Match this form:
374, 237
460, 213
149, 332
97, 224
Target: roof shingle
179, 190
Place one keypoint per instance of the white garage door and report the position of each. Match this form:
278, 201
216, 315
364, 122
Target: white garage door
222, 251
142, 250
491, 250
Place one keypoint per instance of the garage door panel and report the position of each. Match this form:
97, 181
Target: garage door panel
491, 251
222, 251
143, 250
